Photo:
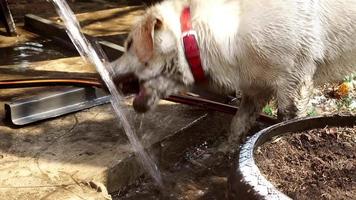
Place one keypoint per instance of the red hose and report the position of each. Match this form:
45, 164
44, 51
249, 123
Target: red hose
41, 82
127, 89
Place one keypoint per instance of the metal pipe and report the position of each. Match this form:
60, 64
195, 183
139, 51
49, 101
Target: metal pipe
92, 82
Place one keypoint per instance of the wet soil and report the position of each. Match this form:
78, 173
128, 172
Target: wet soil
316, 164
200, 174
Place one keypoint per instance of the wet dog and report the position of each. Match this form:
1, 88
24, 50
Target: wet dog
262, 48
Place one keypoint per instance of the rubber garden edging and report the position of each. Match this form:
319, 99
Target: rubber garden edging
246, 180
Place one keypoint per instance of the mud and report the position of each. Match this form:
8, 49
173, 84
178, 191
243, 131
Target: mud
200, 174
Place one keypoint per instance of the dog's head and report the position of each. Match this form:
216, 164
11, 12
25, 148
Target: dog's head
153, 54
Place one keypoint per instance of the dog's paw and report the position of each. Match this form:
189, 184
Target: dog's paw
227, 148
236, 140
224, 148
237, 136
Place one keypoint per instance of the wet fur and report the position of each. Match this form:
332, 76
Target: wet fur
263, 48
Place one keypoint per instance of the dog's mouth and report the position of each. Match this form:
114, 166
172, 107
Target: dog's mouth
147, 92
141, 100
130, 84
147, 96
150, 93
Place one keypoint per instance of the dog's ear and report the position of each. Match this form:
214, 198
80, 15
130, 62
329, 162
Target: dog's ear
143, 42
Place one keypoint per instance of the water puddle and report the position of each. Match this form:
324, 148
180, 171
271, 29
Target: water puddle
103, 67
34, 51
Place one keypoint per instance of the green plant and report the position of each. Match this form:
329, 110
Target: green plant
268, 110
350, 78
312, 112
344, 102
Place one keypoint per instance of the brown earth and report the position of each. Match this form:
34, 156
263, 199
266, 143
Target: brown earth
317, 164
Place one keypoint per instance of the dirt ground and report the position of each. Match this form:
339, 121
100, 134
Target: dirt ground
319, 163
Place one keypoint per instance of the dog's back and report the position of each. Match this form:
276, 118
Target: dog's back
278, 33
338, 34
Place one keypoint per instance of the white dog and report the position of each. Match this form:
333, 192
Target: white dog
260, 47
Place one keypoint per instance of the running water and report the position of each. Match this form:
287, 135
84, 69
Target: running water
103, 67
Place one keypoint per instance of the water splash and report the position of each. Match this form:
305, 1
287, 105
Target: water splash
103, 67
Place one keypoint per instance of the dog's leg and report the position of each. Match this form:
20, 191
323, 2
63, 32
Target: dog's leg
249, 110
293, 95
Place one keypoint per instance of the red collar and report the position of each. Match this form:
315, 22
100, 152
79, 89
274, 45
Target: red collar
191, 48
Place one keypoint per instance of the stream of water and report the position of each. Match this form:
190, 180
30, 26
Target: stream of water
103, 67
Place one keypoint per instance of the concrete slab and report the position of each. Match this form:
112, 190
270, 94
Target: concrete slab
78, 153
75, 156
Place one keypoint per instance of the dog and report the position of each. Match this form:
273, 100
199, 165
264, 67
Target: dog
266, 48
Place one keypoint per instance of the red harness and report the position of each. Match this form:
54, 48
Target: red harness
191, 48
